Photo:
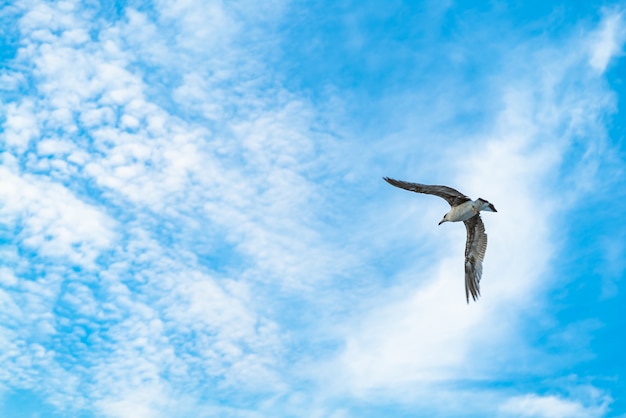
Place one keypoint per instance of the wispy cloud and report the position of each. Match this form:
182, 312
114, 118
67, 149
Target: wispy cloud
608, 41
553, 406
421, 336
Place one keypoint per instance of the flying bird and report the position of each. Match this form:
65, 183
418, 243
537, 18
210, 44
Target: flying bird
462, 209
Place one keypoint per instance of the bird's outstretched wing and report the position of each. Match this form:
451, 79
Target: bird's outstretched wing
452, 196
475, 248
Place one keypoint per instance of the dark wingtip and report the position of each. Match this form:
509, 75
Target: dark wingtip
491, 206
475, 296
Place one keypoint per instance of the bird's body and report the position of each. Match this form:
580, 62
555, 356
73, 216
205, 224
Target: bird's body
462, 208
467, 210
461, 212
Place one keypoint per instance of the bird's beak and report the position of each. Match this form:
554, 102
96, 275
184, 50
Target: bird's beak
442, 221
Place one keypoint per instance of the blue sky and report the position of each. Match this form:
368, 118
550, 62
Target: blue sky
193, 221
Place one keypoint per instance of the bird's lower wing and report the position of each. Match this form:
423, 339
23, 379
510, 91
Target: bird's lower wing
452, 196
475, 248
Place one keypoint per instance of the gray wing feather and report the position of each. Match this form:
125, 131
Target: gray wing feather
475, 248
452, 196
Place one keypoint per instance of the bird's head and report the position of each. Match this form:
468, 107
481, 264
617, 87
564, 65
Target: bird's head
445, 219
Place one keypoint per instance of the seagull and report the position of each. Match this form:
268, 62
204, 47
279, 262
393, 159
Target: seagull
462, 209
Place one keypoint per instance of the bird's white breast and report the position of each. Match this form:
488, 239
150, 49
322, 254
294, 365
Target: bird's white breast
462, 212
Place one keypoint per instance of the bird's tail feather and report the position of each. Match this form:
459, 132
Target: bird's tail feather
486, 206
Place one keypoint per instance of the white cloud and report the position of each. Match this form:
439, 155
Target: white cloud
7, 278
608, 41
550, 406
21, 126
54, 222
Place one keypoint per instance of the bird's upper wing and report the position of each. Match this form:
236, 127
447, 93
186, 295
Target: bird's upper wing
452, 196
475, 248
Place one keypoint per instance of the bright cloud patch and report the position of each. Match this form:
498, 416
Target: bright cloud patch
549, 407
